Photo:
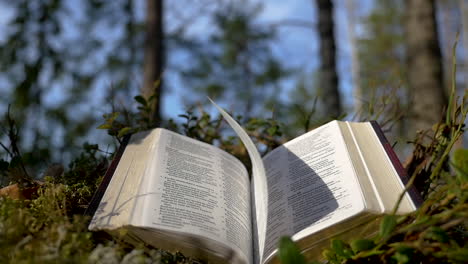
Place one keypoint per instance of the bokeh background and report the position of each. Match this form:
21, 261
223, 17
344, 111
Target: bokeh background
63, 64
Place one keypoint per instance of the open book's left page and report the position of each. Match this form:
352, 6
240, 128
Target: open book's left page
116, 206
196, 189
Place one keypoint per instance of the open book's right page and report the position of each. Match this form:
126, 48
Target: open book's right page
311, 185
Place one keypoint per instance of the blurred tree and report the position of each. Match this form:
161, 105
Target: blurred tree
305, 110
382, 71
236, 63
54, 55
424, 60
464, 14
450, 16
448, 24
154, 57
33, 66
328, 74
352, 23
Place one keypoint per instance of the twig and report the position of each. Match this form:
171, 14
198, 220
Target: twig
6, 149
408, 185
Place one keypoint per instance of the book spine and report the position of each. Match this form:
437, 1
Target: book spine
93, 205
412, 191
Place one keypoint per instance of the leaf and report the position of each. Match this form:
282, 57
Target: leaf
272, 130
327, 254
403, 254
387, 225
105, 126
438, 234
140, 99
157, 83
362, 245
124, 131
341, 248
460, 254
401, 258
373, 252
289, 253
460, 162
111, 117
337, 245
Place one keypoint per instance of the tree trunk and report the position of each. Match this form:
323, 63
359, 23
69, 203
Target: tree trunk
464, 14
425, 77
328, 75
355, 66
154, 58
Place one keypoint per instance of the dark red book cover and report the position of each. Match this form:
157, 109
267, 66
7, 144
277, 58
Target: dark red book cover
412, 191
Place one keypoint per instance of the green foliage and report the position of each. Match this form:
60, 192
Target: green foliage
289, 253
387, 226
87, 168
460, 163
39, 230
44, 231
199, 125
359, 245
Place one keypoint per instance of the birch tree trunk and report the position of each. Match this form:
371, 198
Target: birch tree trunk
355, 67
424, 60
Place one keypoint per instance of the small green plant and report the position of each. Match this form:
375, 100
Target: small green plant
40, 231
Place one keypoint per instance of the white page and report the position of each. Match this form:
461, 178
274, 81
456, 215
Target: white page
311, 184
260, 199
200, 190
116, 206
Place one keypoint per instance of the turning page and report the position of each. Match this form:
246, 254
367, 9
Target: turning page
259, 193
197, 189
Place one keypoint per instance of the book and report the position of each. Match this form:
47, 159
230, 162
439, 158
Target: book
179, 194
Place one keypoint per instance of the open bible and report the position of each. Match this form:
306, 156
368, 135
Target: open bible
180, 194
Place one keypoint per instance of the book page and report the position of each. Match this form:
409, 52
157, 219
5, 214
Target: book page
198, 189
311, 185
116, 206
259, 187
381, 171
